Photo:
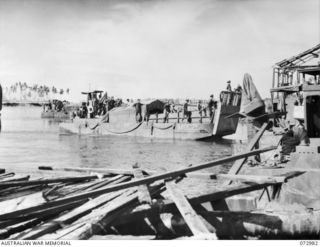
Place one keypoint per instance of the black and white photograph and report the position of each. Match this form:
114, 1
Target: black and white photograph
159, 120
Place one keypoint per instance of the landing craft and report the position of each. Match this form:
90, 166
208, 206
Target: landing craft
122, 120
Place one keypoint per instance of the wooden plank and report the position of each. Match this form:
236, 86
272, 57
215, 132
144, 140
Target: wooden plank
22, 202
99, 184
253, 178
169, 205
46, 181
19, 225
114, 180
143, 190
236, 167
14, 179
192, 219
109, 171
73, 215
88, 225
92, 220
6, 175
15, 192
147, 180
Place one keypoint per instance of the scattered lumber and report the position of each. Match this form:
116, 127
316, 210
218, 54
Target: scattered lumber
69, 217
147, 180
169, 206
91, 207
193, 220
18, 226
94, 222
82, 209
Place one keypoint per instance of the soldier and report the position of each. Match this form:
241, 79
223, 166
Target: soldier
229, 86
166, 112
138, 107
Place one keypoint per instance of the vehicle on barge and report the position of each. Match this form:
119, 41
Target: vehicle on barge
58, 110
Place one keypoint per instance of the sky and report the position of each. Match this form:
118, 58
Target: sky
156, 48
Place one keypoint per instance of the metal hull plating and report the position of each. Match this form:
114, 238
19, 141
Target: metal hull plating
191, 131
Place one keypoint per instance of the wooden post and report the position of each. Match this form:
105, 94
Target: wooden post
178, 113
157, 117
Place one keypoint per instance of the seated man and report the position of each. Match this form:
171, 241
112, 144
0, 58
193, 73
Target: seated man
288, 143
300, 133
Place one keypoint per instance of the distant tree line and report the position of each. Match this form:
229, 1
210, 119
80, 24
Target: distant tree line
40, 90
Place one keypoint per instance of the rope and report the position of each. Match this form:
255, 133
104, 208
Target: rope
103, 120
124, 132
164, 128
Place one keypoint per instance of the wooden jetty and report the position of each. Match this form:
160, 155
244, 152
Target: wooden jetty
137, 204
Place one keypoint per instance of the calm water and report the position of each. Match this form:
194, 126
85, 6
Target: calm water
29, 141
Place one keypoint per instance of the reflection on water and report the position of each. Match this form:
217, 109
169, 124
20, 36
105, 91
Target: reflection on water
29, 141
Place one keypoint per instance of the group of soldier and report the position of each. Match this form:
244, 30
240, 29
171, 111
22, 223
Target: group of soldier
97, 105
55, 105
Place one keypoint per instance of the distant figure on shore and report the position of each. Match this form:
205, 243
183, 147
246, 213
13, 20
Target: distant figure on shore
229, 86
138, 107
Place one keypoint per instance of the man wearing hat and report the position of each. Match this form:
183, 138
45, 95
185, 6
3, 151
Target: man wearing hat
211, 107
166, 111
186, 112
288, 142
229, 86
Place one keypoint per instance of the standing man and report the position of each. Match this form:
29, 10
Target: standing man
186, 112
211, 108
138, 106
200, 110
229, 86
166, 112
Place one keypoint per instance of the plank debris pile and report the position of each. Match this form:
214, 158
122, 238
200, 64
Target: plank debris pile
120, 204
